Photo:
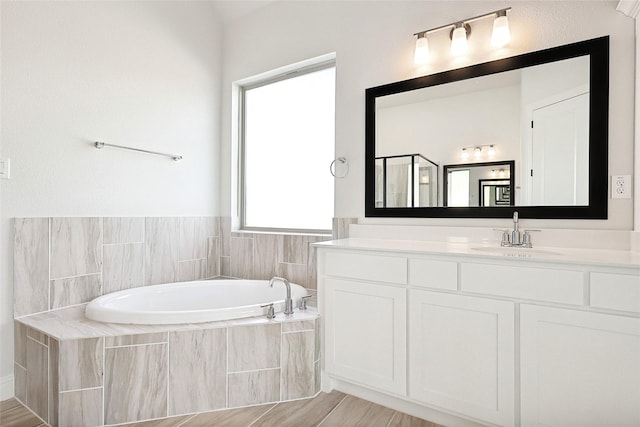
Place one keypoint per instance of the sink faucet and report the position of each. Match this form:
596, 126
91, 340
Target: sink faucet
288, 302
516, 239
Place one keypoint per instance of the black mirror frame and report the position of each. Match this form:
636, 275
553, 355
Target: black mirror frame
598, 51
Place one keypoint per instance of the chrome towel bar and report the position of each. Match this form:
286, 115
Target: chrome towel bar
175, 157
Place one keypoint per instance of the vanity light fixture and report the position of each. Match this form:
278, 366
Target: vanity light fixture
500, 35
491, 151
477, 152
460, 32
465, 154
459, 38
421, 55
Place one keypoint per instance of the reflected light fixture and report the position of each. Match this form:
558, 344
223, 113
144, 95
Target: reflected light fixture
460, 32
477, 151
421, 55
500, 35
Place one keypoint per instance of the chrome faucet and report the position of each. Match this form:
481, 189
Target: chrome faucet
288, 302
516, 239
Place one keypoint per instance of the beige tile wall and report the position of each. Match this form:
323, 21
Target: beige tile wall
60, 262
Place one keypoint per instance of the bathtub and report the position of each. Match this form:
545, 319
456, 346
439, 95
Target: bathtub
191, 302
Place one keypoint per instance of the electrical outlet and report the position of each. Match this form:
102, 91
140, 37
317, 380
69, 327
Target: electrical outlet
5, 168
621, 187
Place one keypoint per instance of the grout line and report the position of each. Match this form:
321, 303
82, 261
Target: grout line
253, 370
79, 389
187, 420
137, 345
76, 276
263, 414
331, 412
392, 418
103, 414
38, 342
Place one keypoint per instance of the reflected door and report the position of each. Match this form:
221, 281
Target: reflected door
560, 153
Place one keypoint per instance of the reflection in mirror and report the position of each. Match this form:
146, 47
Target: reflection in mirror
538, 115
406, 181
546, 111
479, 184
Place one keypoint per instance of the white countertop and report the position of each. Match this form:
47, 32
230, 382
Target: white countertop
590, 257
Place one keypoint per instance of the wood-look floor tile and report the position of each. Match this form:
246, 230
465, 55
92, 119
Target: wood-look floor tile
307, 412
241, 417
165, 422
13, 414
354, 412
404, 420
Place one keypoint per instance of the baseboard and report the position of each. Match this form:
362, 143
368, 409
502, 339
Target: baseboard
6, 387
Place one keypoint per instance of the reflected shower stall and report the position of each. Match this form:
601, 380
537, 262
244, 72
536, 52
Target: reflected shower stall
405, 181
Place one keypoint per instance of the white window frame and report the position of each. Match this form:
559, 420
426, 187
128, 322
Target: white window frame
285, 73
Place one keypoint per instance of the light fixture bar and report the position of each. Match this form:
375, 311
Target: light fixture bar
464, 21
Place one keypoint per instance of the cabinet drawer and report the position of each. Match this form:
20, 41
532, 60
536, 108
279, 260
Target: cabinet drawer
615, 291
543, 284
377, 268
433, 274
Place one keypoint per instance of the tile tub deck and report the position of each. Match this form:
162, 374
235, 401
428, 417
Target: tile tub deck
72, 370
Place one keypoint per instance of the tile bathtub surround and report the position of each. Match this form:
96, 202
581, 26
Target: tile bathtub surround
161, 374
76, 247
31, 265
60, 262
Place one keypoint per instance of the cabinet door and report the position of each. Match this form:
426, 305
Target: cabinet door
461, 354
366, 334
579, 368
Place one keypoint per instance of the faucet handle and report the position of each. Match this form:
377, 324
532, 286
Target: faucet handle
271, 313
303, 301
526, 238
505, 237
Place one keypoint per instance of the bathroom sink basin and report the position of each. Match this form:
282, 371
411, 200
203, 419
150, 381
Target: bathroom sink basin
514, 251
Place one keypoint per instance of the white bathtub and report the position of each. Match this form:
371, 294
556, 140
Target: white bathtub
191, 302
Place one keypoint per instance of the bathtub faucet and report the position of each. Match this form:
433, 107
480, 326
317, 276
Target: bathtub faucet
288, 303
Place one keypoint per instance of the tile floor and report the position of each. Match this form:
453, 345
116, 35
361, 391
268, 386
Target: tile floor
333, 409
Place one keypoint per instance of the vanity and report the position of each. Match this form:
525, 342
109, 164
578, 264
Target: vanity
475, 334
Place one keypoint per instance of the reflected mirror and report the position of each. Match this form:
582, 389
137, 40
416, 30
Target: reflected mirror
544, 115
479, 184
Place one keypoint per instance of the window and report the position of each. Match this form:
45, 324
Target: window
288, 127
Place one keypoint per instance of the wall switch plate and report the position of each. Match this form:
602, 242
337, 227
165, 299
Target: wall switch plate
621, 186
5, 168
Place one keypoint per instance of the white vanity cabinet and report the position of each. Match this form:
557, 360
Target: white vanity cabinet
579, 368
366, 319
461, 354
483, 340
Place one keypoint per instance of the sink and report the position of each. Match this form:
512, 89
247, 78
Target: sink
514, 251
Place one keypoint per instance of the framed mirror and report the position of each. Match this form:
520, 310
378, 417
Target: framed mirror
544, 113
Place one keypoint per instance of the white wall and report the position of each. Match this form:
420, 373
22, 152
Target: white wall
374, 45
145, 74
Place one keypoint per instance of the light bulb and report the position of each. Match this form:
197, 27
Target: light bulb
459, 40
491, 151
501, 34
493, 173
421, 54
477, 152
465, 154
